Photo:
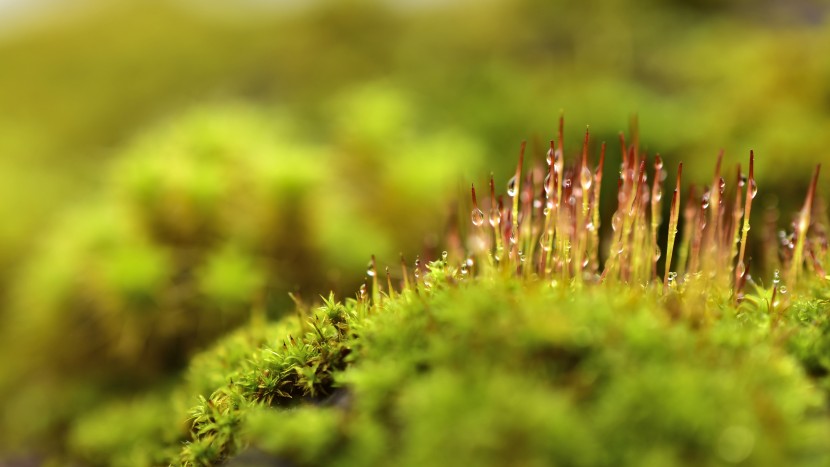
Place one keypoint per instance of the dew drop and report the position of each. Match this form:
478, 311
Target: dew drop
363, 291
511, 187
370, 270
590, 226
672, 277
495, 217
547, 184
783, 289
742, 181
464, 269
469, 262
514, 237
776, 277
567, 183
587, 178
546, 211
657, 253
572, 200
704, 202
740, 269
753, 188
545, 240
477, 217
658, 195
549, 156
444, 255
616, 221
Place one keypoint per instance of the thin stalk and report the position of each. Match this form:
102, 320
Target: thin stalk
673, 219
802, 227
752, 190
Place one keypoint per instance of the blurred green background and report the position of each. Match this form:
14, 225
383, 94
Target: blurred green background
167, 166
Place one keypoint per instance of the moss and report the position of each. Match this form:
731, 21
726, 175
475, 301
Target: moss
505, 373
204, 218
523, 349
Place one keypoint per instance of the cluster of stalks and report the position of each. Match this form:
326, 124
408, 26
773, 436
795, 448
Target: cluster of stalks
548, 226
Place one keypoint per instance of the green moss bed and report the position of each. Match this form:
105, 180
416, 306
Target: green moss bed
532, 341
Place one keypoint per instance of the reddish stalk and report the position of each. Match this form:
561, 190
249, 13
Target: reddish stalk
802, 227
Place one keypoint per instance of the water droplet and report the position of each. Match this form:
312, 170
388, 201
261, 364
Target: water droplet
742, 181
672, 277
514, 237
753, 188
363, 291
546, 211
370, 270
477, 217
590, 226
511, 187
537, 203
545, 241
587, 178
495, 217
658, 195
740, 269
464, 269
548, 186
549, 156
444, 255
470, 262
783, 289
417, 271
567, 183
616, 221
704, 202
572, 200
657, 253
776, 277
722, 185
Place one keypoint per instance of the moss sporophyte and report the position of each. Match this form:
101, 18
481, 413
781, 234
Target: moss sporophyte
527, 342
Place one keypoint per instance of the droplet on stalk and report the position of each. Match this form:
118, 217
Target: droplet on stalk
495, 217
545, 240
511, 187
476, 215
587, 178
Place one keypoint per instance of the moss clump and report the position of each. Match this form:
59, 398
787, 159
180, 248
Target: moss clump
203, 219
530, 349
497, 371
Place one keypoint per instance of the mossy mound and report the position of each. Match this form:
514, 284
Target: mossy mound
494, 371
211, 215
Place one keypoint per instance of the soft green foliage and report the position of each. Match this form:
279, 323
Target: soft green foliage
210, 215
491, 371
